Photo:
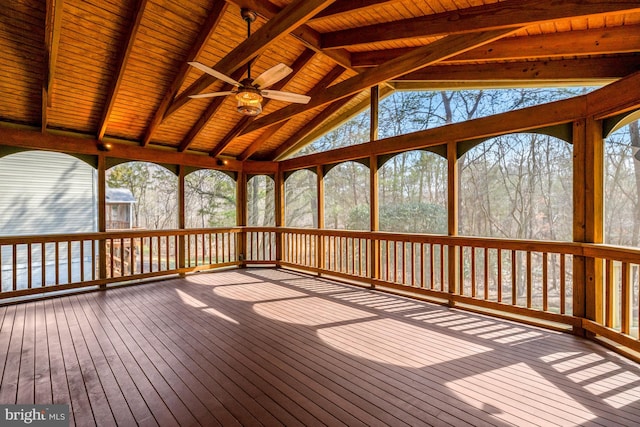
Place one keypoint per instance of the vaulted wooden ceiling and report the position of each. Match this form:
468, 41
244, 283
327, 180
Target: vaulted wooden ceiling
116, 70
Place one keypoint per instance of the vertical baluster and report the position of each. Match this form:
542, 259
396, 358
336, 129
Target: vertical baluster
14, 285
608, 290
69, 264
486, 274
202, 246
57, 256
93, 262
151, 251
461, 257
403, 264
353, 255
563, 283
167, 250
209, 240
29, 267
625, 303
217, 248
226, 257
432, 262
228, 246
81, 259
499, 275
43, 268
442, 251
529, 280
132, 257
514, 279
545, 282
388, 254
111, 255
473, 272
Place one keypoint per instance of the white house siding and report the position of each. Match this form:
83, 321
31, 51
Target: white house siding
45, 193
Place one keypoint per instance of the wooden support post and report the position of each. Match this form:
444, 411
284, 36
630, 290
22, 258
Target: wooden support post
374, 262
453, 257
588, 220
102, 218
241, 216
374, 208
279, 214
183, 241
320, 200
374, 117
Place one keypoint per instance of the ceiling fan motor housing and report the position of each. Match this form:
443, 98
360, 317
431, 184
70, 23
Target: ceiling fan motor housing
249, 100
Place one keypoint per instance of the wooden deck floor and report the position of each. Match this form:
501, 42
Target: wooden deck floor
271, 347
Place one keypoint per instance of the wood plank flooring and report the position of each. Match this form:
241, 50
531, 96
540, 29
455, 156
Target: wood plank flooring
272, 347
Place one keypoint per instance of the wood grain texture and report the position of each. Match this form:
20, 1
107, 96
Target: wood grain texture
270, 347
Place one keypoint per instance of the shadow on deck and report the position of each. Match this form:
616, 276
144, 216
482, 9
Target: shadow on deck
267, 346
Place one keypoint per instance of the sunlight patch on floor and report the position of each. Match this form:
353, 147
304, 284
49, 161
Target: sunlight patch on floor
398, 343
189, 300
264, 291
482, 391
599, 377
221, 315
311, 311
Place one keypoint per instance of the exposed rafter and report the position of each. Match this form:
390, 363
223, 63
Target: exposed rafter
292, 144
567, 44
321, 124
290, 18
51, 43
297, 66
205, 34
414, 60
510, 13
520, 74
309, 37
125, 51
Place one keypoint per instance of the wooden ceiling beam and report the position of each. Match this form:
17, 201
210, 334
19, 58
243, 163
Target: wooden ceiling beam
292, 144
123, 58
213, 107
509, 13
329, 78
309, 37
601, 41
286, 21
611, 100
412, 61
581, 71
53, 23
297, 67
207, 30
320, 124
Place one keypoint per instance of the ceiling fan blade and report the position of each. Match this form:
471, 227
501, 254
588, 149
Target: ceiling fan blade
211, 95
286, 96
272, 76
214, 73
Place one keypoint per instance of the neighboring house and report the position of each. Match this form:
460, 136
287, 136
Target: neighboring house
119, 206
46, 193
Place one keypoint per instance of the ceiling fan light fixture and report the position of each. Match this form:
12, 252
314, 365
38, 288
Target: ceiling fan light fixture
249, 101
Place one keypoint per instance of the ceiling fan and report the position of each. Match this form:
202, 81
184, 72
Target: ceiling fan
249, 92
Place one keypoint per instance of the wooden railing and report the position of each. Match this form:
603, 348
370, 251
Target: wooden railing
41, 264
515, 277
